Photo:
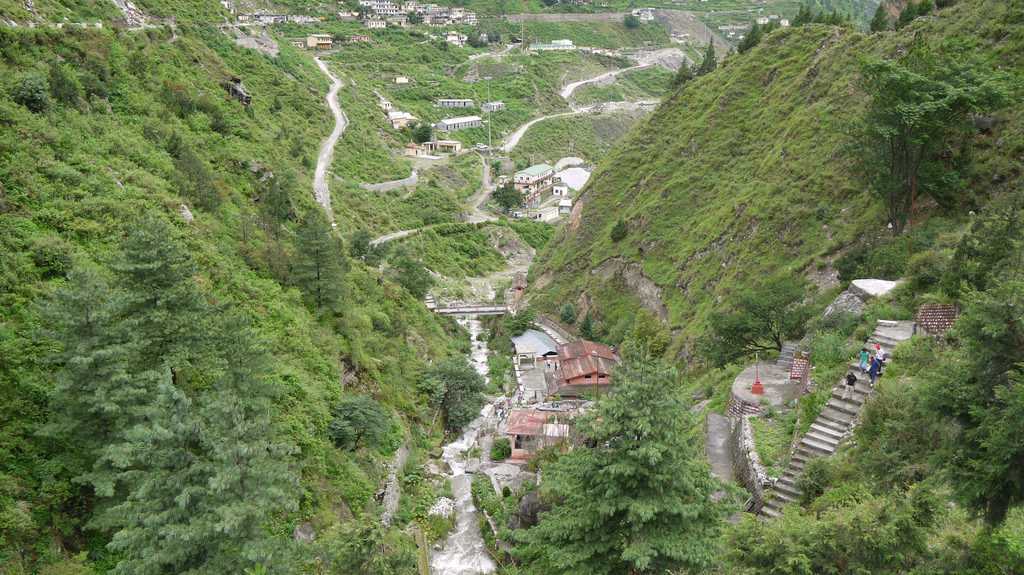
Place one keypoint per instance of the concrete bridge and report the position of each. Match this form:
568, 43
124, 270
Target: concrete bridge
469, 309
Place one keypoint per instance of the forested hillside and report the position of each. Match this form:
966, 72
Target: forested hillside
177, 316
757, 171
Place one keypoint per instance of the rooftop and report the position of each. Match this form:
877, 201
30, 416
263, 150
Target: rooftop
462, 119
534, 342
535, 170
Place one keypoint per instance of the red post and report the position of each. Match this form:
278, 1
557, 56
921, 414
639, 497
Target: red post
757, 388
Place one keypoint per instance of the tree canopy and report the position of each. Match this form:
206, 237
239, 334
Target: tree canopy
638, 499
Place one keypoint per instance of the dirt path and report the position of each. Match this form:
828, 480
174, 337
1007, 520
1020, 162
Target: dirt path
412, 180
513, 139
323, 162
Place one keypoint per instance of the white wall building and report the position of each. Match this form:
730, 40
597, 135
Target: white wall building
460, 123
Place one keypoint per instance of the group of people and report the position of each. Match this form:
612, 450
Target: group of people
869, 363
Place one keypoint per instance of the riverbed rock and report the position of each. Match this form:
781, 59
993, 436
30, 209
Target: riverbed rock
530, 508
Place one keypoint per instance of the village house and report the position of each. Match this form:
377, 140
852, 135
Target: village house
355, 38
433, 148
400, 80
644, 14
552, 46
532, 429
400, 119
454, 103
560, 189
583, 368
444, 146
382, 7
375, 23
455, 39
493, 106
385, 105
319, 42
459, 123
533, 183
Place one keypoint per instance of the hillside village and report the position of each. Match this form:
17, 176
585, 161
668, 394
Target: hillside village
529, 288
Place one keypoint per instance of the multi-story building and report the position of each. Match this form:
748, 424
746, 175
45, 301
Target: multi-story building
533, 183
493, 106
319, 42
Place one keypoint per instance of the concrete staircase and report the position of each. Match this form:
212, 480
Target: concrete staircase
834, 422
786, 354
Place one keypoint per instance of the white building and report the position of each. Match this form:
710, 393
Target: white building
454, 103
644, 14
493, 106
553, 45
375, 23
460, 123
401, 80
400, 119
564, 206
455, 39
784, 22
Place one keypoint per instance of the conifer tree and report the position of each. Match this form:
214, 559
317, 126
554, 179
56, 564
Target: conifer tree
638, 500
95, 398
320, 267
164, 309
880, 22
710, 61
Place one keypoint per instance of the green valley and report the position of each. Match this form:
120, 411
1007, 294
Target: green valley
513, 287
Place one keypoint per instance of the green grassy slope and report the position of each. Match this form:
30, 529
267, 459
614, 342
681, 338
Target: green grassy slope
749, 171
74, 176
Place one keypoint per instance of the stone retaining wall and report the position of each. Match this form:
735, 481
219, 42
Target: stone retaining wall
746, 464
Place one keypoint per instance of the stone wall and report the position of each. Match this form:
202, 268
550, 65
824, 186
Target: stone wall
746, 464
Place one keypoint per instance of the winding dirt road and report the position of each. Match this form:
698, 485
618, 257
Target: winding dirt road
323, 162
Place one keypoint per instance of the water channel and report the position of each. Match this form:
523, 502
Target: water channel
464, 552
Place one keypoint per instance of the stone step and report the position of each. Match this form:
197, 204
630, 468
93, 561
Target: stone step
807, 452
849, 396
822, 438
771, 511
813, 444
835, 419
789, 490
847, 407
784, 498
885, 341
822, 429
888, 322
789, 477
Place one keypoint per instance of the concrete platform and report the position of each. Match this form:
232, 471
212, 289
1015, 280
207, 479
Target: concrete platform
778, 388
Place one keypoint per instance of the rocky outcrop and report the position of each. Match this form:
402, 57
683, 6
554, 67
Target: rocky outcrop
855, 298
631, 274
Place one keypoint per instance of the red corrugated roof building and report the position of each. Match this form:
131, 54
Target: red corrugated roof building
583, 368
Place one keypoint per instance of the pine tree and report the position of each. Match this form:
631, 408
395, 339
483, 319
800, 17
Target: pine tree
164, 311
880, 22
751, 39
320, 265
683, 76
710, 61
587, 327
638, 500
95, 398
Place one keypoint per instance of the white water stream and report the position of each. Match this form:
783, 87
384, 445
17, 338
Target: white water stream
464, 552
